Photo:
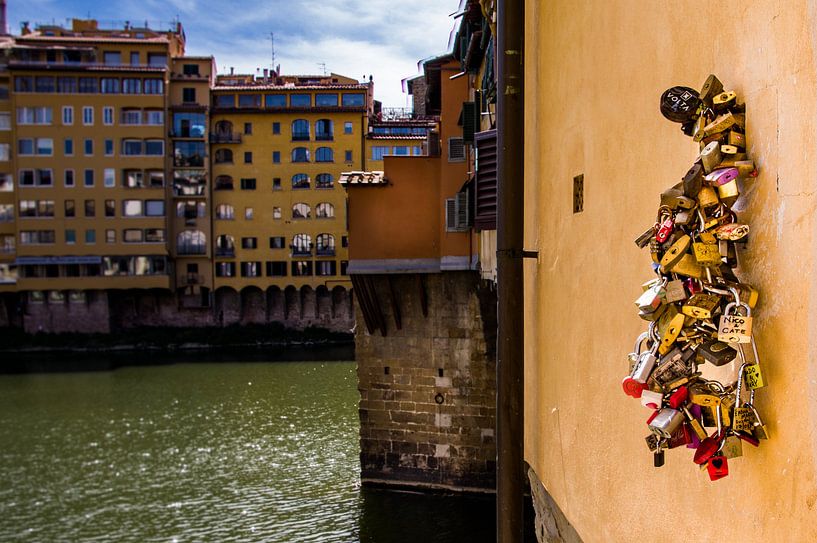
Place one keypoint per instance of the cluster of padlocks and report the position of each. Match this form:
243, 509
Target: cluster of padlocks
693, 366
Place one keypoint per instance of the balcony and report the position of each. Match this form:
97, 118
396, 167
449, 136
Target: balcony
225, 252
186, 189
192, 279
225, 137
83, 65
325, 251
300, 251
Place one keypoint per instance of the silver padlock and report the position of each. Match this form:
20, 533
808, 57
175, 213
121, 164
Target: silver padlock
666, 422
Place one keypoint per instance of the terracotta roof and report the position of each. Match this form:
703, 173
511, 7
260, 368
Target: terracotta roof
91, 39
363, 178
394, 137
335, 86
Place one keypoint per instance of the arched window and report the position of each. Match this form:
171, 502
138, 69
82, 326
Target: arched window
300, 181
225, 245
224, 128
324, 181
301, 211
324, 210
325, 245
191, 242
300, 154
225, 212
223, 182
300, 130
324, 154
190, 209
301, 244
324, 130
224, 156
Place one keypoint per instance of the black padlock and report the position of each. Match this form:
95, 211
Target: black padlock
680, 105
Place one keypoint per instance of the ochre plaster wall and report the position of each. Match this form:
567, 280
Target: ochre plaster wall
594, 75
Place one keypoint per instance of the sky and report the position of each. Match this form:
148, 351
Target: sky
356, 38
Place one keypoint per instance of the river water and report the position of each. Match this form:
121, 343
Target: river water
239, 451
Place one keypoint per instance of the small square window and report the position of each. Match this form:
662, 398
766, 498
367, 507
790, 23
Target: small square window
110, 208
248, 213
248, 184
70, 236
248, 129
276, 128
188, 95
109, 177
90, 236
276, 183
347, 128
276, 157
110, 236
248, 157
348, 156
68, 180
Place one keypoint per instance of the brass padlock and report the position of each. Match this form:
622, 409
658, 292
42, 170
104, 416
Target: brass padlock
706, 254
711, 156
729, 192
701, 306
711, 88
674, 291
693, 180
688, 267
675, 253
737, 139
746, 168
707, 197
729, 151
724, 100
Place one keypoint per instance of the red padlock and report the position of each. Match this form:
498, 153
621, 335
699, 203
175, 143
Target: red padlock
707, 449
663, 230
682, 436
748, 438
632, 387
677, 398
718, 467
693, 286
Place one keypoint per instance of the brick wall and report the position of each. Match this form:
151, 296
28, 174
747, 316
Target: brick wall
427, 391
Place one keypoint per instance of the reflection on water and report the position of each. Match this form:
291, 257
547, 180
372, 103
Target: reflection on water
203, 452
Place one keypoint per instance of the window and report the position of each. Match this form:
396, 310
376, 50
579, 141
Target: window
154, 208
276, 213
300, 154
132, 147
110, 208
249, 243
225, 212
247, 157
324, 130
108, 147
89, 147
109, 177
325, 245
276, 269
344, 241
250, 269
90, 208
154, 147
417, 151
275, 100
188, 125
68, 178
301, 211
90, 236
23, 84
225, 269
35, 178
191, 243
276, 157
89, 178
326, 100
5, 121
131, 116
277, 242
300, 100
25, 147
88, 85
324, 154
188, 95
224, 156
247, 184
354, 100
190, 69
276, 128
67, 115
133, 179
249, 100
324, 181
44, 146
300, 130
191, 209
188, 153
379, 151
225, 245
156, 178
68, 147
69, 209
456, 150
131, 86
109, 85
107, 115
300, 181
44, 84
132, 235
110, 236
276, 183
132, 208
34, 115
153, 86
67, 85
6, 212
401, 150
324, 210
70, 237
248, 213
4, 152
134, 58
347, 128
37, 208
325, 268
87, 115
112, 58
154, 117
301, 268
348, 156
248, 128
157, 59
225, 100
224, 182
154, 235
33, 237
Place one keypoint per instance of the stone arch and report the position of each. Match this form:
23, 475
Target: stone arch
339, 302
253, 305
292, 304
323, 304
227, 306
275, 304
308, 304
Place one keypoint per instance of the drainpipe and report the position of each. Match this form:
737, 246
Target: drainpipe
510, 309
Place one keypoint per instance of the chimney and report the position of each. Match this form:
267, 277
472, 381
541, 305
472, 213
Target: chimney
266, 74
4, 29
232, 70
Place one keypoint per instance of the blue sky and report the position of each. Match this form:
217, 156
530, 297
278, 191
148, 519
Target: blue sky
384, 38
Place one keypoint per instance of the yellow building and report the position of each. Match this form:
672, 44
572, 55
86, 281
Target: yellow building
8, 229
277, 146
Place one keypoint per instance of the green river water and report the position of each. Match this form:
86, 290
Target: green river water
239, 451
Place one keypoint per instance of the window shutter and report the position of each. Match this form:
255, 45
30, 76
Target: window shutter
463, 214
456, 150
470, 121
450, 214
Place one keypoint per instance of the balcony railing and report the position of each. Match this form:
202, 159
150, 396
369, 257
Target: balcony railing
325, 251
225, 252
324, 137
184, 189
192, 279
225, 137
300, 251
195, 161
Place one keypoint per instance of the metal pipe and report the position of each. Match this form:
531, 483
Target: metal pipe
510, 308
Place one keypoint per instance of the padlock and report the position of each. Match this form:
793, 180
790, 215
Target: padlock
693, 180
706, 254
665, 422
656, 252
737, 139
721, 176
688, 267
753, 376
680, 437
701, 306
685, 217
652, 316
658, 458
693, 286
675, 253
729, 151
694, 423
651, 399
724, 100
728, 253
734, 327
717, 467
711, 88
704, 399
727, 407
732, 231
680, 104
669, 327
747, 293
746, 168
729, 192
732, 447
707, 197
716, 352
674, 198
678, 398
725, 122
644, 239
635, 383
674, 291
651, 298
664, 224
711, 156
633, 357
674, 366
707, 449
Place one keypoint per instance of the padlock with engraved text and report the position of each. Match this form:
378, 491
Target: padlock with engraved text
701, 306
734, 327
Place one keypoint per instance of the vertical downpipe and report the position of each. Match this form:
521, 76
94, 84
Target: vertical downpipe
510, 310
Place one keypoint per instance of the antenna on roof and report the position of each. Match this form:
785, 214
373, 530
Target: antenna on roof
323, 67
272, 42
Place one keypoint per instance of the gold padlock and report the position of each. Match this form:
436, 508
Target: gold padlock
707, 237
711, 88
746, 168
724, 122
707, 254
711, 156
737, 139
669, 327
707, 197
724, 100
701, 306
688, 267
728, 150
729, 191
675, 253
